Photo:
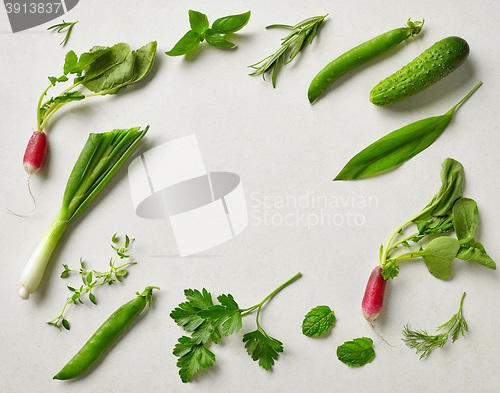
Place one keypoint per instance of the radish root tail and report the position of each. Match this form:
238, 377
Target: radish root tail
372, 325
32, 197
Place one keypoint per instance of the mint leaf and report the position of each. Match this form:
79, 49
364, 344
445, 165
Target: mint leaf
231, 24
198, 21
188, 43
357, 352
263, 348
318, 321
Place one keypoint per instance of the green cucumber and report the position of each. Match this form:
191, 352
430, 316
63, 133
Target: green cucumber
432, 65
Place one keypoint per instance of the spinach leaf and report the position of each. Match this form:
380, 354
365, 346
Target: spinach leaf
452, 180
123, 71
476, 253
465, 218
439, 255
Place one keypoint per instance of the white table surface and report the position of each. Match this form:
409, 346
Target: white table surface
287, 153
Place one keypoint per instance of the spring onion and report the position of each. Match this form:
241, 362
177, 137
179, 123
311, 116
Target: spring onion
102, 155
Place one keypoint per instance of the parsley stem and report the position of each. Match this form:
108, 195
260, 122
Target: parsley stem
258, 306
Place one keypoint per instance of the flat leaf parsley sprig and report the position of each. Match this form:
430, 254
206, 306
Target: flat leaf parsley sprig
301, 34
208, 322
92, 279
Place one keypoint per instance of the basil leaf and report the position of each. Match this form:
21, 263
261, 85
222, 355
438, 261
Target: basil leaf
318, 321
188, 43
198, 21
398, 146
476, 253
217, 41
465, 218
357, 352
231, 24
439, 254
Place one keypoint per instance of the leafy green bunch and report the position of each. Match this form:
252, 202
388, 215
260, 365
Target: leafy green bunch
208, 322
447, 211
201, 31
102, 70
92, 279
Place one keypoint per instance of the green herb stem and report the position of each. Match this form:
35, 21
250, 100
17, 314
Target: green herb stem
258, 306
465, 98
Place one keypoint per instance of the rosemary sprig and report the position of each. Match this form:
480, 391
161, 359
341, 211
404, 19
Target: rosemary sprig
301, 34
60, 27
425, 343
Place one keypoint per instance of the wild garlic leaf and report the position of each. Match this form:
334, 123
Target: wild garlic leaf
398, 146
263, 348
216, 40
465, 218
356, 353
318, 321
231, 24
439, 254
198, 21
188, 43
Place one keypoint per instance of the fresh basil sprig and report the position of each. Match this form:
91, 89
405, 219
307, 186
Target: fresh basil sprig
201, 31
398, 146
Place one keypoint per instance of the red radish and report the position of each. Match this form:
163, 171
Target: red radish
373, 299
34, 155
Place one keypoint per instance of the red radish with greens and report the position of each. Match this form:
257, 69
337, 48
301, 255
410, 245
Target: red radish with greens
447, 211
102, 70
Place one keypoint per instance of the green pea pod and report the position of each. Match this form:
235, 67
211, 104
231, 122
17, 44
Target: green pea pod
360, 55
107, 333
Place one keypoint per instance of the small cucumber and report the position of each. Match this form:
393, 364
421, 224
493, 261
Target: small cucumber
429, 67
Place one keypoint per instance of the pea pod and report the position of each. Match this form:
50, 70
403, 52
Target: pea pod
107, 333
431, 66
360, 55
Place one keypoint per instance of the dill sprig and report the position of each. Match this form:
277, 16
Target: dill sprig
301, 34
425, 343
